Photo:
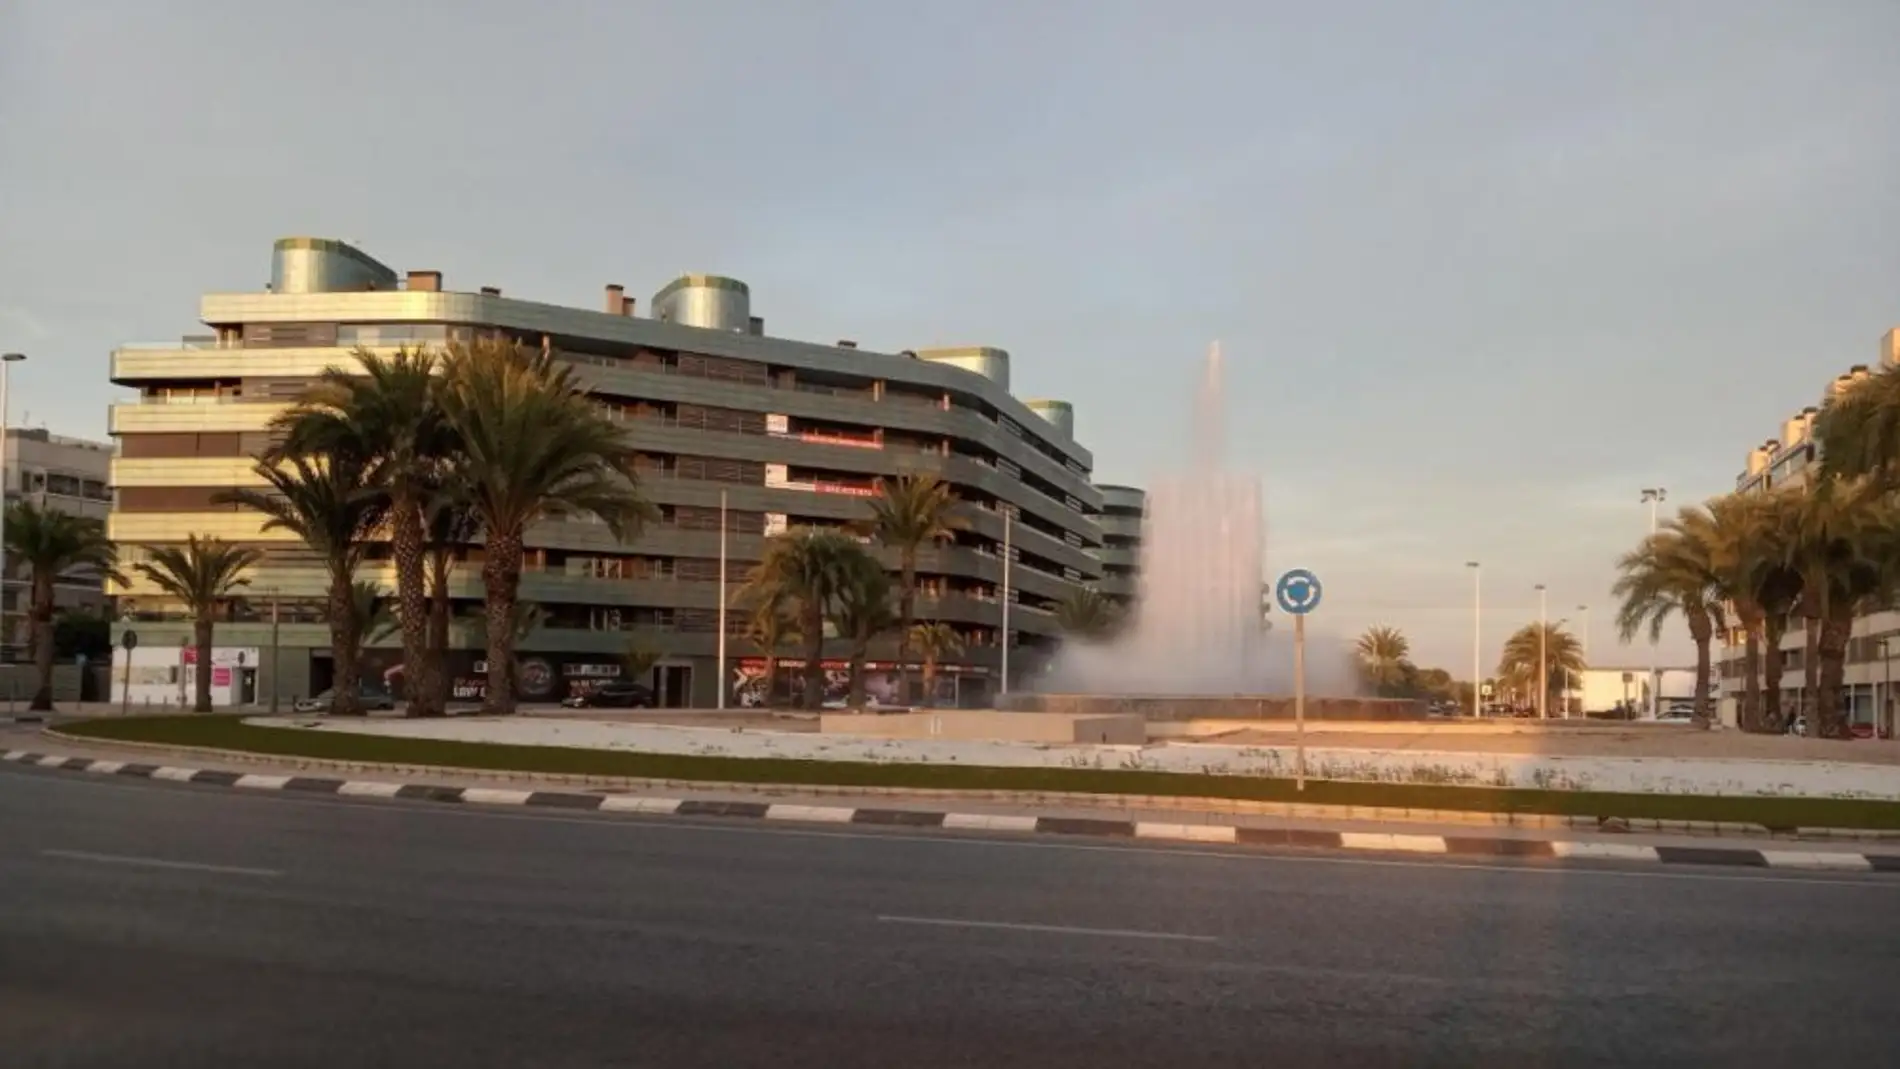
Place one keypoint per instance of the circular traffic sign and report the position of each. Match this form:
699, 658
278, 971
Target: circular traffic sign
129, 639
1297, 592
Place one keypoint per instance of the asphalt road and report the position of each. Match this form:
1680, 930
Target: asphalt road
146, 924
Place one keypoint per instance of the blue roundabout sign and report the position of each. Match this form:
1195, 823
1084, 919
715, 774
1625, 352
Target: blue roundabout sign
1297, 592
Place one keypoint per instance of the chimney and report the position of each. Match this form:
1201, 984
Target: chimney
847, 343
627, 305
425, 281
491, 291
755, 326
616, 300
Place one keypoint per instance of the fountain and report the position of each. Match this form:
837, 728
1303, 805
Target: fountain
1197, 644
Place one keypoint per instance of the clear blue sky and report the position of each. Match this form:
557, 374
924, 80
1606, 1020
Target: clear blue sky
1482, 270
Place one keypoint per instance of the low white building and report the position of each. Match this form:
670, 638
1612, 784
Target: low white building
1604, 688
166, 675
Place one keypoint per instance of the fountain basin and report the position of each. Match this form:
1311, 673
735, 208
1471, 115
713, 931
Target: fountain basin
1161, 707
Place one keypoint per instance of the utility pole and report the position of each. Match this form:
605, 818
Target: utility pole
1477, 635
722, 600
1654, 496
275, 662
1543, 653
1008, 512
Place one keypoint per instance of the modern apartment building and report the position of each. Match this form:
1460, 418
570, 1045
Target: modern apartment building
1788, 460
70, 475
1123, 508
781, 433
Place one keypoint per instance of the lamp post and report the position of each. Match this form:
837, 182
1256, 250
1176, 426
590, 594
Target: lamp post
7, 360
1584, 612
1477, 635
723, 599
1543, 653
1654, 496
1009, 513
1881, 722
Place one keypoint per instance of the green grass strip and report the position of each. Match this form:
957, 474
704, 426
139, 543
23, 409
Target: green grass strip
231, 733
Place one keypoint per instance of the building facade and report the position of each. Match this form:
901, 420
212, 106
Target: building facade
55, 472
1788, 460
1123, 508
771, 433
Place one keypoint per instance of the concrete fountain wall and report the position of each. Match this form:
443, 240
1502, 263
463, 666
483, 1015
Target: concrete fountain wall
1161, 708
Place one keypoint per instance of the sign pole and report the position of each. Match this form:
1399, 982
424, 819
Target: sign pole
128, 641
1299, 702
723, 599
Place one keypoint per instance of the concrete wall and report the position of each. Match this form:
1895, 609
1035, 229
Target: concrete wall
987, 724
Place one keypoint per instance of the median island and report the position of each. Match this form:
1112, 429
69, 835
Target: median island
234, 733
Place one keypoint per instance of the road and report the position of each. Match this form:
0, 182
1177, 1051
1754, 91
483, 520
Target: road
148, 924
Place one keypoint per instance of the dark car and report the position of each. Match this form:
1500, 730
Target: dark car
369, 696
612, 696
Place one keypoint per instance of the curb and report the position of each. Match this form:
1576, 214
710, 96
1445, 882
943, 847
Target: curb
1221, 806
1376, 842
28, 718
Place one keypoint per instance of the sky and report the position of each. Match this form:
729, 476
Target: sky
1480, 271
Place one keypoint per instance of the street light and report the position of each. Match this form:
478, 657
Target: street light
1477, 634
7, 360
1543, 653
1654, 496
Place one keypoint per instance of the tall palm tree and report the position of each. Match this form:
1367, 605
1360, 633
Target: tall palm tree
1088, 614
51, 543
449, 523
934, 642
1845, 548
809, 568
328, 505
769, 625
908, 513
862, 613
531, 444
202, 574
387, 411
1750, 558
1859, 430
1676, 571
1383, 655
1518, 667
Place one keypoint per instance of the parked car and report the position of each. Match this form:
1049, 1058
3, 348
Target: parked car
369, 695
619, 695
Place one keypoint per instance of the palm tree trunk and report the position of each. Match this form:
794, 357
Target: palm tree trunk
419, 670
814, 625
906, 611
1772, 717
439, 621
771, 677
856, 700
1701, 632
501, 582
1750, 714
201, 677
42, 641
930, 681
1825, 718
345, 637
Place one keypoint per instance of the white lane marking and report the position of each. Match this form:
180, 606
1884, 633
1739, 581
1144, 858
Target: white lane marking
1046, 843
1052, 929
257, 781
180, 775
989, 822
816, 814
626, 803
361, 788
494, 796
52, 760
1193, 833
1815, 859
1604, 851
12, 755
105, 768
1409, 844
158, 863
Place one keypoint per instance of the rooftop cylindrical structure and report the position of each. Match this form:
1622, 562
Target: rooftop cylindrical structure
1060, 414
1757, 460
321, 265
711, 302
992, 364
1793, 430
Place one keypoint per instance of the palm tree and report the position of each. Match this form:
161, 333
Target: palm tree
375, 618
863, 612
909, 512
448, 525
1750, 558
51, 543
1518, 667
1845, 548
328, 505
770, 625
809, 568
201, 574
531, 445
1383, 655
934, 642
1677, 570
1088, 614
1859, 430
386, 411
